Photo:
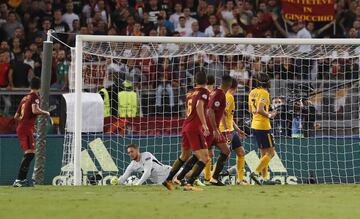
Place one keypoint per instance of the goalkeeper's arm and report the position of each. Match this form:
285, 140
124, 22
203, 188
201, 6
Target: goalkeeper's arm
147, 171
126, 175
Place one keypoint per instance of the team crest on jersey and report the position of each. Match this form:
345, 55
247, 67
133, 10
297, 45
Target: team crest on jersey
217, 103
227, 103
204, 96
263, 99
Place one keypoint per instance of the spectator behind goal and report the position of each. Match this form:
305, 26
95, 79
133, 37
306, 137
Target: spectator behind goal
128, 101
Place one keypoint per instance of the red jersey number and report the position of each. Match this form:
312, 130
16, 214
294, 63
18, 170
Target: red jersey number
192, 121
26, 115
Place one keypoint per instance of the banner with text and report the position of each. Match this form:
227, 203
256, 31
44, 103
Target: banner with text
309, 10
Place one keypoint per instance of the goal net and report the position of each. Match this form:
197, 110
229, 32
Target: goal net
132, 90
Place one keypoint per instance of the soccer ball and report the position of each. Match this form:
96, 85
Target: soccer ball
114, 181
132, 180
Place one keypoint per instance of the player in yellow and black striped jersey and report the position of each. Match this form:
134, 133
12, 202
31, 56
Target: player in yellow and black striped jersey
233, 133
259, 103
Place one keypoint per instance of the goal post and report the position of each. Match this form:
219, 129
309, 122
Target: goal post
262, 49
78, 109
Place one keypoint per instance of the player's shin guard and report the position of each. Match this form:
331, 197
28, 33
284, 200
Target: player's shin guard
264, 162
187, 167
24, 167
207, 170
220, 163
198, 168
175, 168
240, 164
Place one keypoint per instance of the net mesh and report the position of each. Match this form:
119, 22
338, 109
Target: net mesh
314, 88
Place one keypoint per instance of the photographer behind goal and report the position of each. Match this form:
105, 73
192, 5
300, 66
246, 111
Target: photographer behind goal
295, 118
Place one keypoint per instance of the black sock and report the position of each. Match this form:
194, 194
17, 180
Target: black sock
198, 168
220, 163
24, 167
188, 166
175, 168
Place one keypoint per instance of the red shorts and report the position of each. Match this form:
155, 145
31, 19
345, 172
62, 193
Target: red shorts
193, 140
26, 138
210, 140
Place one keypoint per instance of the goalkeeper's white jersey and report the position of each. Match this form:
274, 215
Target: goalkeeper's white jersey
151, 168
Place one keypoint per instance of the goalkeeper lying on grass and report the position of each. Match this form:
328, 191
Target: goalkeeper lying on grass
145, 163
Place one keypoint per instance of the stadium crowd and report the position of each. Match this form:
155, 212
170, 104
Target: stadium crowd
23, 27
24, 24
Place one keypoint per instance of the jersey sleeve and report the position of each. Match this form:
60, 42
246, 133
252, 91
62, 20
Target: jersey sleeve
128, 171
34, 100
263, 97
148, 163
217, 101
203, 95
230, 104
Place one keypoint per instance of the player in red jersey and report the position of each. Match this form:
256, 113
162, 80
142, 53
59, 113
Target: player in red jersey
194, 131
216, 110
26, 115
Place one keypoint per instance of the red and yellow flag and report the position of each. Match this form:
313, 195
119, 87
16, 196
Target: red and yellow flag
309, 10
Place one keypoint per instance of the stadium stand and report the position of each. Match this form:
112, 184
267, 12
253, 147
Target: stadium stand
24, 24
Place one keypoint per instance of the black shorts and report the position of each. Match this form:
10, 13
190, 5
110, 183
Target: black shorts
263, 138
234, 140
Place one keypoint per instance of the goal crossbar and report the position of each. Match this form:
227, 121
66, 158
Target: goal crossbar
204, 40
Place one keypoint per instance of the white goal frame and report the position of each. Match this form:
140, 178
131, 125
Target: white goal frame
98, 38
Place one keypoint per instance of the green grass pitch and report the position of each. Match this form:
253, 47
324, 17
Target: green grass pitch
154, 202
